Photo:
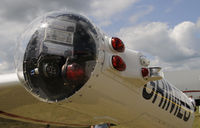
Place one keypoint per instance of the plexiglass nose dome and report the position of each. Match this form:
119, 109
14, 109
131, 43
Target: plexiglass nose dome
56, 55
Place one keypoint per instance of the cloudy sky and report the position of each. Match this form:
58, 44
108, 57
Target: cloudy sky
167, 31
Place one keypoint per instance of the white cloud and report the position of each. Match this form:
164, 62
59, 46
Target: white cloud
173, 48
184, 35
198, 23
9, 31
15, 15
105, 10
145, 10
170, 46
105, 23
5, 67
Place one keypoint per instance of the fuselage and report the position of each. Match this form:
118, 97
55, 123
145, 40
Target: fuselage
110, 100
73, 74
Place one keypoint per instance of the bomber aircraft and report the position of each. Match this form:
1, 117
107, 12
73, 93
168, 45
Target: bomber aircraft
69, 73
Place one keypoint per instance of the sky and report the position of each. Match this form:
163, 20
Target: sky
166, 31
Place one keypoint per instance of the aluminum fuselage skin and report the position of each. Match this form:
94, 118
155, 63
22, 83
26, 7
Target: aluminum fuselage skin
109, 96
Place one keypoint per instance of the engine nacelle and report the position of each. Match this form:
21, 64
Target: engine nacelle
58, 53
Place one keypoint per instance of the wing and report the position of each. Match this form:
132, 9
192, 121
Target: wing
15, 101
